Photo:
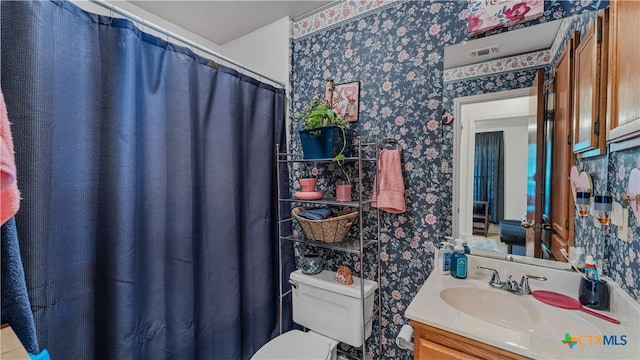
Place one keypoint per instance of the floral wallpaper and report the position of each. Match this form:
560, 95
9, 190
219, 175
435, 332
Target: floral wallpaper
585, 233
622, 258
396, 51
335, 14
531, 60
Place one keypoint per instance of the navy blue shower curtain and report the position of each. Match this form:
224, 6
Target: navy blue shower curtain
147, 225
488, 173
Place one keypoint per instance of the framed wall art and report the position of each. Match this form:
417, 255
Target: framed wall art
346, 100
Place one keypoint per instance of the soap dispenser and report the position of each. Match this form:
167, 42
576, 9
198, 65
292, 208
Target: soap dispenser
459, 261
467, 249
443, 258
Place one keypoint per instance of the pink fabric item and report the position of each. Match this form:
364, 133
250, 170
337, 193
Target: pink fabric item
9, 194
391, 183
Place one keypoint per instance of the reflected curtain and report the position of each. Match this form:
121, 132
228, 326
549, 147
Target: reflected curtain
488, 173
147, 173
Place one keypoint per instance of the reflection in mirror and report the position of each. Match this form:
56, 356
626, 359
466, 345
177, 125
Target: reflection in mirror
493, 169
480, 96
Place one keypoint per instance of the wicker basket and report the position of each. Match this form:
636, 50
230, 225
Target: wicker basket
329, 230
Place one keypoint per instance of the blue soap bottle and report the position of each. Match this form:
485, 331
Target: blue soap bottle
467, 249
458, 261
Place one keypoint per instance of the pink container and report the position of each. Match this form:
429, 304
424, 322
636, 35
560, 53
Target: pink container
308, 185
343, 191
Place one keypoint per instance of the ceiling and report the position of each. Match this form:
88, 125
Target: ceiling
224, 21
510, 43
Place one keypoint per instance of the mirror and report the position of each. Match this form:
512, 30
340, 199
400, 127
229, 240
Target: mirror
492, 169
487, 97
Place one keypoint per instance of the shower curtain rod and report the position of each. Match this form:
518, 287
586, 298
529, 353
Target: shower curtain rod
143, 22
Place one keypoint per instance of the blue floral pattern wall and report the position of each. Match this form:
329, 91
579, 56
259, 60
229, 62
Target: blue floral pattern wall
622, 258
396, 51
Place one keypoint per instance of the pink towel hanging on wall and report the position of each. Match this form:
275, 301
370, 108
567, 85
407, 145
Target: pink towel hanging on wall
9, 194
388, 186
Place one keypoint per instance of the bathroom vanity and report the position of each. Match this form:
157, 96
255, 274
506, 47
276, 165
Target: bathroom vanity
434, 343
468, 319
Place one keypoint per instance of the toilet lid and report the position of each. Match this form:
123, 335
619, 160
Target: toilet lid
294, 344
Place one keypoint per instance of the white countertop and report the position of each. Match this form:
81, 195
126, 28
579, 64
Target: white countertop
545, 339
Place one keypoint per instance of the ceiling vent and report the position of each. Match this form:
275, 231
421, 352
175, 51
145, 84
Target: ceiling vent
491, 50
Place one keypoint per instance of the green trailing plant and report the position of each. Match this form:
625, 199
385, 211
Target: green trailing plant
318, 113
339, 159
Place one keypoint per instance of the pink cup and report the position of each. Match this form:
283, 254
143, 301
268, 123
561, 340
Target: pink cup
343, 191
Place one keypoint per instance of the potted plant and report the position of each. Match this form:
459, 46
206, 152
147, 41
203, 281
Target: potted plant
324, 134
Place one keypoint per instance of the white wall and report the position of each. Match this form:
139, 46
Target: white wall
265, 50
97, 9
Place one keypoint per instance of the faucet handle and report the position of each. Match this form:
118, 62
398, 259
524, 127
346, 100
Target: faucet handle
524, 283
495, 278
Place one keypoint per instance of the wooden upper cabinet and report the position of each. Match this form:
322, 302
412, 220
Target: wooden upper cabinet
623, 106
590, 90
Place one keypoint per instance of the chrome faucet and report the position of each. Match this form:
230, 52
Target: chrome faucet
524, 288
511, 285
495, 279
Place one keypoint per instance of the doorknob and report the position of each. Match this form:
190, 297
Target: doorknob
527, 225
536, 227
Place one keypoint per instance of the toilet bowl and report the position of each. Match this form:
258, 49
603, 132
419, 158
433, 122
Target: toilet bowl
330, 310
298, 345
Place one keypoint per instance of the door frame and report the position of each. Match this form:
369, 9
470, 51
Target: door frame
458, 103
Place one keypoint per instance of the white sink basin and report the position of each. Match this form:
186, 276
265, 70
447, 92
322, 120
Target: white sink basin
519, 323
517, 312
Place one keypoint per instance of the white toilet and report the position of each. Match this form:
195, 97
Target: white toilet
330, 310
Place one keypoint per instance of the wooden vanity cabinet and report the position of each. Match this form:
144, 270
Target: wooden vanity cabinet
590, 89
433, 343
623, 107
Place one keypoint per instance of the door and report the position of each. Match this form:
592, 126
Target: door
562, 157
535, 168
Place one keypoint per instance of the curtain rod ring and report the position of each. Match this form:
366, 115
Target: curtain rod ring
111, 14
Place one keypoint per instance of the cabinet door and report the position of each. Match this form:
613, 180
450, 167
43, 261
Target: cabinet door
589, 105
433, 343
430, 351
561, 217
624, 76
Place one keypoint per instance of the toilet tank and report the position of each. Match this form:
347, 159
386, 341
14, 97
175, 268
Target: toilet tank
330, 308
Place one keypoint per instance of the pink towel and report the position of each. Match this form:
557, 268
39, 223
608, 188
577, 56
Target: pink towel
9, 194
391, 184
